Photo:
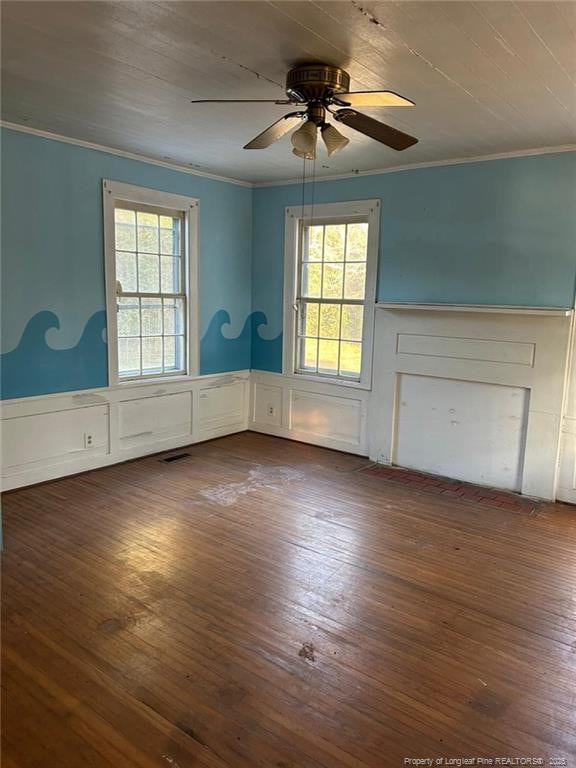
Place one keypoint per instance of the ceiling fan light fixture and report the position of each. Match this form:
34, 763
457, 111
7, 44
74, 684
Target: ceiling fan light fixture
304, 155
304, 140
316, 89
333, 139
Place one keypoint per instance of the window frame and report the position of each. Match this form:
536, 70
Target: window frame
329, 213
118, 192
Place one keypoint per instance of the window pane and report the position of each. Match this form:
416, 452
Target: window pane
170, 274
355, 281
330, 321
334, 242
311, 280
350, 358
169, 316
169, 235
128, 317
152, 354
352, 316
357, 246
124, 216
125, 225
309, 354
173, 316
310, 314
180, 320
151, 317
148, 273
328, 356
128, 357
315, 239
147, 232
180, 353
333, 281
126, 271
170, 353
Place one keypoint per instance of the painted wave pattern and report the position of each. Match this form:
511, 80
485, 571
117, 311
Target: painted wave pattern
35, 368
219, 354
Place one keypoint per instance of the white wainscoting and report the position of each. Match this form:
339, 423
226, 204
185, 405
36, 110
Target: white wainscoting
450, 419
472, 395
331, 415
55, 435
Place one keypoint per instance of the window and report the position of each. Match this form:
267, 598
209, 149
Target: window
150, 271
330, 281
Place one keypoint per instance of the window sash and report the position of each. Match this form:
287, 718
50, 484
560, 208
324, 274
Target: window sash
181, 295
136, 295
160, 210
302, 299
156, 373
296, 219
319, 300
301, 337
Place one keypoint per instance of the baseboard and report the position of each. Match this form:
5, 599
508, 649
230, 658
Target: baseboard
303, 437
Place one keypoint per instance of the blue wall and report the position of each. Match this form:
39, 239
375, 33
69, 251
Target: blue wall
493, 232
53, 295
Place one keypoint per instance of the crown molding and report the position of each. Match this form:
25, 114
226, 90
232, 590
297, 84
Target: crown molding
122, 153
283, 182
416, 166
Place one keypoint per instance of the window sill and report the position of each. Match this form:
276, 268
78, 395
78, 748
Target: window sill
346, 384
152, 381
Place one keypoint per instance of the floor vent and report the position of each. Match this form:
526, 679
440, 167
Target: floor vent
175, 457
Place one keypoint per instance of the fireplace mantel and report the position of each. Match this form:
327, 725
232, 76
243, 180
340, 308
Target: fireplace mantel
478, 308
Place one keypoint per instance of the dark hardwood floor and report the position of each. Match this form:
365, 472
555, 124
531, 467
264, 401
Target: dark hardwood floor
261, 604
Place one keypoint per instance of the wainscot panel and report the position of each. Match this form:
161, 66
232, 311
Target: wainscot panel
150, 419
327, 414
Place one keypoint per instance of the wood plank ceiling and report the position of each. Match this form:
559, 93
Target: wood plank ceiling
487, 77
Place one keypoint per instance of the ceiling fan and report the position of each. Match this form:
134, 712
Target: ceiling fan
319, 90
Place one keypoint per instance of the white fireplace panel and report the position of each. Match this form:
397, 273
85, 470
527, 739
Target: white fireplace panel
467, 430
487, 350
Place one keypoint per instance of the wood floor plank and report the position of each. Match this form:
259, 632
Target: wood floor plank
155, 615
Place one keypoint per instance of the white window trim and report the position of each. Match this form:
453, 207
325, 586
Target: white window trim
117, 191
370, 209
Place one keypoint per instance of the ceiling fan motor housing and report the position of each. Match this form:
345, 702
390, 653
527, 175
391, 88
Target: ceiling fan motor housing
316, 82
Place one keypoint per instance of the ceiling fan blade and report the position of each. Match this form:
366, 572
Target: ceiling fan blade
242, 101
373, 99
276, 131
383, 133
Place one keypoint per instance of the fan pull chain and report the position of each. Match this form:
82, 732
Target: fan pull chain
312, 201
301, 233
